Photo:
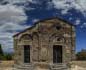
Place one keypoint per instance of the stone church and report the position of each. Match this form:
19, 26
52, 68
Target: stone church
48, 45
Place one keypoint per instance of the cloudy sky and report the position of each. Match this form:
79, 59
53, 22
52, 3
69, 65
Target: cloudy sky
16, 15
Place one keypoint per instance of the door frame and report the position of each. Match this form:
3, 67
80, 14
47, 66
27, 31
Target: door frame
28, 53
61, 53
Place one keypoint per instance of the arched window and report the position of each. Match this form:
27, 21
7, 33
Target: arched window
58, 39
26, 37
58, 26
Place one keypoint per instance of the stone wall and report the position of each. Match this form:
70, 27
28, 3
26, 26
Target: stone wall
41, 38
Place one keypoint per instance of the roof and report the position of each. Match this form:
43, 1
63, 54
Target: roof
42, 21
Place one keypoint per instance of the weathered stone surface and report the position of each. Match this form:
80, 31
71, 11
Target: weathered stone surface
41, 38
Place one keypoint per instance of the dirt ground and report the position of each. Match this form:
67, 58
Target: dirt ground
76, 65
6, 65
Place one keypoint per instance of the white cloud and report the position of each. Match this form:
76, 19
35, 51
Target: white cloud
83, 25
12, 19
50, 5
6, 40
24, 2
18, 1
79, 5
77, 22
64, 11
35, 20
12, 27
10, 13
70, 18
64, 5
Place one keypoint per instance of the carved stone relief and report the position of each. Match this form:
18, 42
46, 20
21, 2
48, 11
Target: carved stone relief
44, 53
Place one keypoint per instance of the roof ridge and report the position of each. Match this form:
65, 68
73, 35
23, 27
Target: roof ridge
42, 21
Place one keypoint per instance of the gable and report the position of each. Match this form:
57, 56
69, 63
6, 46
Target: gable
46, 23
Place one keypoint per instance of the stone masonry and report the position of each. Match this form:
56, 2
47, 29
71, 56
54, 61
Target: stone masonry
51, 45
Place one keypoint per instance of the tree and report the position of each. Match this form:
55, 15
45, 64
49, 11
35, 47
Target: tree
5, 56
1, 51
81, 55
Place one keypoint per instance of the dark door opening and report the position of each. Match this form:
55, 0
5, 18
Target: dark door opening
57, 54
27, 53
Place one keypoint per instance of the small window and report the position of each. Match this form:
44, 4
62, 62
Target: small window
58, 27
58, 39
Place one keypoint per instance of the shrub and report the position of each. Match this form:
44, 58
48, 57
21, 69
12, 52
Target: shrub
81, 55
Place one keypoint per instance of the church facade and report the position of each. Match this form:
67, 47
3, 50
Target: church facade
48, 45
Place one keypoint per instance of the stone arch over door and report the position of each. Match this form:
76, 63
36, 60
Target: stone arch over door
56, 40
25, 42
25, 37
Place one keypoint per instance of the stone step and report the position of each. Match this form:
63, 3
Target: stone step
26, 65
51, 67
23, 67
59, 67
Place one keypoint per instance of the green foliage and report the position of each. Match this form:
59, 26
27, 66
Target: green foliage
1, 51
8, 56
4, 56
81, 55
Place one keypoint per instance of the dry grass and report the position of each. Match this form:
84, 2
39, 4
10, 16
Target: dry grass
6, 63
80, 63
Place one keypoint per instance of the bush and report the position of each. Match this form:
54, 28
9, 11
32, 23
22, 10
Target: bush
4, 56
81, 55
8, 56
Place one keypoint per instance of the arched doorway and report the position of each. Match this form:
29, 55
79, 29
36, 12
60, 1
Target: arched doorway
27, 53
57, 54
